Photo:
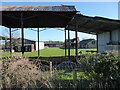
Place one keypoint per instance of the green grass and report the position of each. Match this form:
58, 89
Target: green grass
65, 75
48, 52
68, 75
6, 54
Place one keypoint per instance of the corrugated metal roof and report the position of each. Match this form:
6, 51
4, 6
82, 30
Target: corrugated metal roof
93, 25
37, 8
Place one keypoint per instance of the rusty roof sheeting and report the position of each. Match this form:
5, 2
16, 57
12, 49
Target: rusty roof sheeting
93, 25
38, 8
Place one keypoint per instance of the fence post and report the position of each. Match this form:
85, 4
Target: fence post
51, 69
75, 78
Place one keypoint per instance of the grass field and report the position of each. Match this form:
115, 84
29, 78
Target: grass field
48, 52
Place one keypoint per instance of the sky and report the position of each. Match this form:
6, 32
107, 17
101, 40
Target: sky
102, 9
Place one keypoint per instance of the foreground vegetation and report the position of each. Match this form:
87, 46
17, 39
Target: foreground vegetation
90, 71
48, 52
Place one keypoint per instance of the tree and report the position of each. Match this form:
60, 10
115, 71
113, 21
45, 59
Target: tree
14, 36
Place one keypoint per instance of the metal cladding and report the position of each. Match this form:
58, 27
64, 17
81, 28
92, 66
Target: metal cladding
38, 8
93, 25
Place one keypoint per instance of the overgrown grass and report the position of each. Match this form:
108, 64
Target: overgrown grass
48, 52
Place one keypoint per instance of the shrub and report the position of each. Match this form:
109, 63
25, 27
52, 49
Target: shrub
19, 72
102, 69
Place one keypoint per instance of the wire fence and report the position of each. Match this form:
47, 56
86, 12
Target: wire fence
21, 72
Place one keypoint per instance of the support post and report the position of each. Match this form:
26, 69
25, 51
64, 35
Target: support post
10, 41
76, 53
110, 36
97, 42
69, 44
65, 44
22, 32
22, 41
76, 36
38, 44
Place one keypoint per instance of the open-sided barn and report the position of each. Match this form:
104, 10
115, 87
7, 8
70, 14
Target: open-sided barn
107, 30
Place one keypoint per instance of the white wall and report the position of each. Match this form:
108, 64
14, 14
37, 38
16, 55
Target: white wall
41, 45
116, 35
104, 38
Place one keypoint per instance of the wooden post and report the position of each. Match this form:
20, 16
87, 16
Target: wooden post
51, 69
74, 78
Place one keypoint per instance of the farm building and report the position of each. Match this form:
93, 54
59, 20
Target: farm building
88, 43
106, 30
53, 43
29, 44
